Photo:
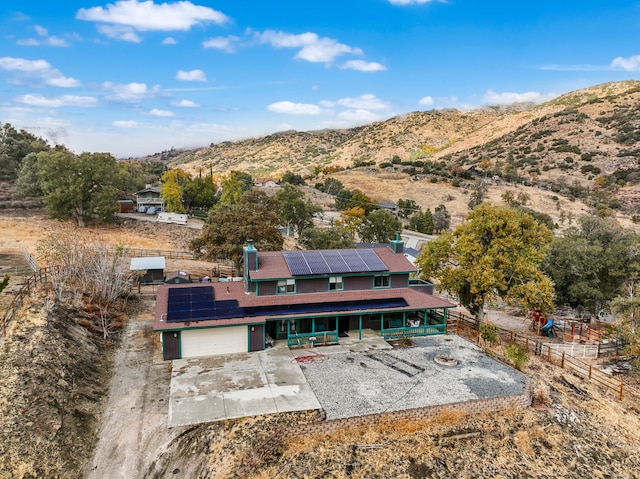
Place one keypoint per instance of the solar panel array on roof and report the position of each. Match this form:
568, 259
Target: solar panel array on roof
197, 303
326, 307
337, 261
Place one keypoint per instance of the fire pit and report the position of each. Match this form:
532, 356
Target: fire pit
445, 360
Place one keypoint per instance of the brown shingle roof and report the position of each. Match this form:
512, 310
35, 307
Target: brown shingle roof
272, 265
415, 299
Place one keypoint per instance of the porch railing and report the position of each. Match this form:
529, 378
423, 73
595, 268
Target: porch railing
318, 338
405, 332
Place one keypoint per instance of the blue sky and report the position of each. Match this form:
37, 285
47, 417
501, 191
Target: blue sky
135, 77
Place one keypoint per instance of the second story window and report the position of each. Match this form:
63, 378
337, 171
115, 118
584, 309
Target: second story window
381, 281
335, 283
286, 286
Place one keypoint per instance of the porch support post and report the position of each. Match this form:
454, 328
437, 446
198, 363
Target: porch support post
382, 324
360, 326
288, 323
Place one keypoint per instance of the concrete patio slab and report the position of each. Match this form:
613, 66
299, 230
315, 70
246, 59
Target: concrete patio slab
246, 384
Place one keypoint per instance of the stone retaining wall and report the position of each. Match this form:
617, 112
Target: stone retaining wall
519, 401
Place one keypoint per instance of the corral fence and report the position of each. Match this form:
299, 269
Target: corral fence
218, 270
25, 290
138, 253
558, 354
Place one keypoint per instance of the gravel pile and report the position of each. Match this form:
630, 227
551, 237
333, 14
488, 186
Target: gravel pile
373, 382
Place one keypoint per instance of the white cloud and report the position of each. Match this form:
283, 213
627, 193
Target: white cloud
169, 41
20, 64
358, 116
193, 75
161, 113
119, 32
290, 108
40, 69
186, 104
57, 102
54, 41
125, 124
63, 82
130, 92
28, 42
226, 44
312, 47
363, 66
631, 64
447, 99
368, 101
43, 32
426, 100
49, 41
149, 16
284, 127
507, 98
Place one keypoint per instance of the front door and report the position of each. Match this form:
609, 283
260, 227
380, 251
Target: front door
256, 337
343, 326
171, 345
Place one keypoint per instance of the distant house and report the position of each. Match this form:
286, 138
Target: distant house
150, 269
411, 254
390, 206
266, 182
302, 297
126, 206
149, 197
177, 277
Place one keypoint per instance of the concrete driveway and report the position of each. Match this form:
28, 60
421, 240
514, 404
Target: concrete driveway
215, 388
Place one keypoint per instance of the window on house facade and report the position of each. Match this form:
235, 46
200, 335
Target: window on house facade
381, 281
286, 286
335, 283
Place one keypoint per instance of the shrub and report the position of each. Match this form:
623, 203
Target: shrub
517, 356
489, 333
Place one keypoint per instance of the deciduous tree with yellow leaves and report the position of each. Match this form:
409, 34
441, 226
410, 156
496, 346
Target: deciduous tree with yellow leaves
495, 253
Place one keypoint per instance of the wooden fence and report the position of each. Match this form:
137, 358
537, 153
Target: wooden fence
465, 326
25, 290
137, 253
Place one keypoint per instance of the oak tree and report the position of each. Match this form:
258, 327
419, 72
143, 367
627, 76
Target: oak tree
228, 228
495, 253
79, 187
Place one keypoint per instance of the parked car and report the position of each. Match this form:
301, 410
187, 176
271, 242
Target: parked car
142, 209
151, 210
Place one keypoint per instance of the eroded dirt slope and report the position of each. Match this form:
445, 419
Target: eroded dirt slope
55, 376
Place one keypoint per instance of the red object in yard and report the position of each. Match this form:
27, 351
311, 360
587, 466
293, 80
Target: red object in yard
126, 206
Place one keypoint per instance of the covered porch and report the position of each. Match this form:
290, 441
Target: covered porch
324, 330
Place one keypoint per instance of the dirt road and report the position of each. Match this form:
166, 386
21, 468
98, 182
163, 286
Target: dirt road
134, 424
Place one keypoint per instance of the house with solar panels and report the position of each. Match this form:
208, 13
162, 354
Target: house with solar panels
306, 298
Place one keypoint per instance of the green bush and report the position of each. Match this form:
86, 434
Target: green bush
517, 356
489, 333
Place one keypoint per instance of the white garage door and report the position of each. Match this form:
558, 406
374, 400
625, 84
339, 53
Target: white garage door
210, 342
